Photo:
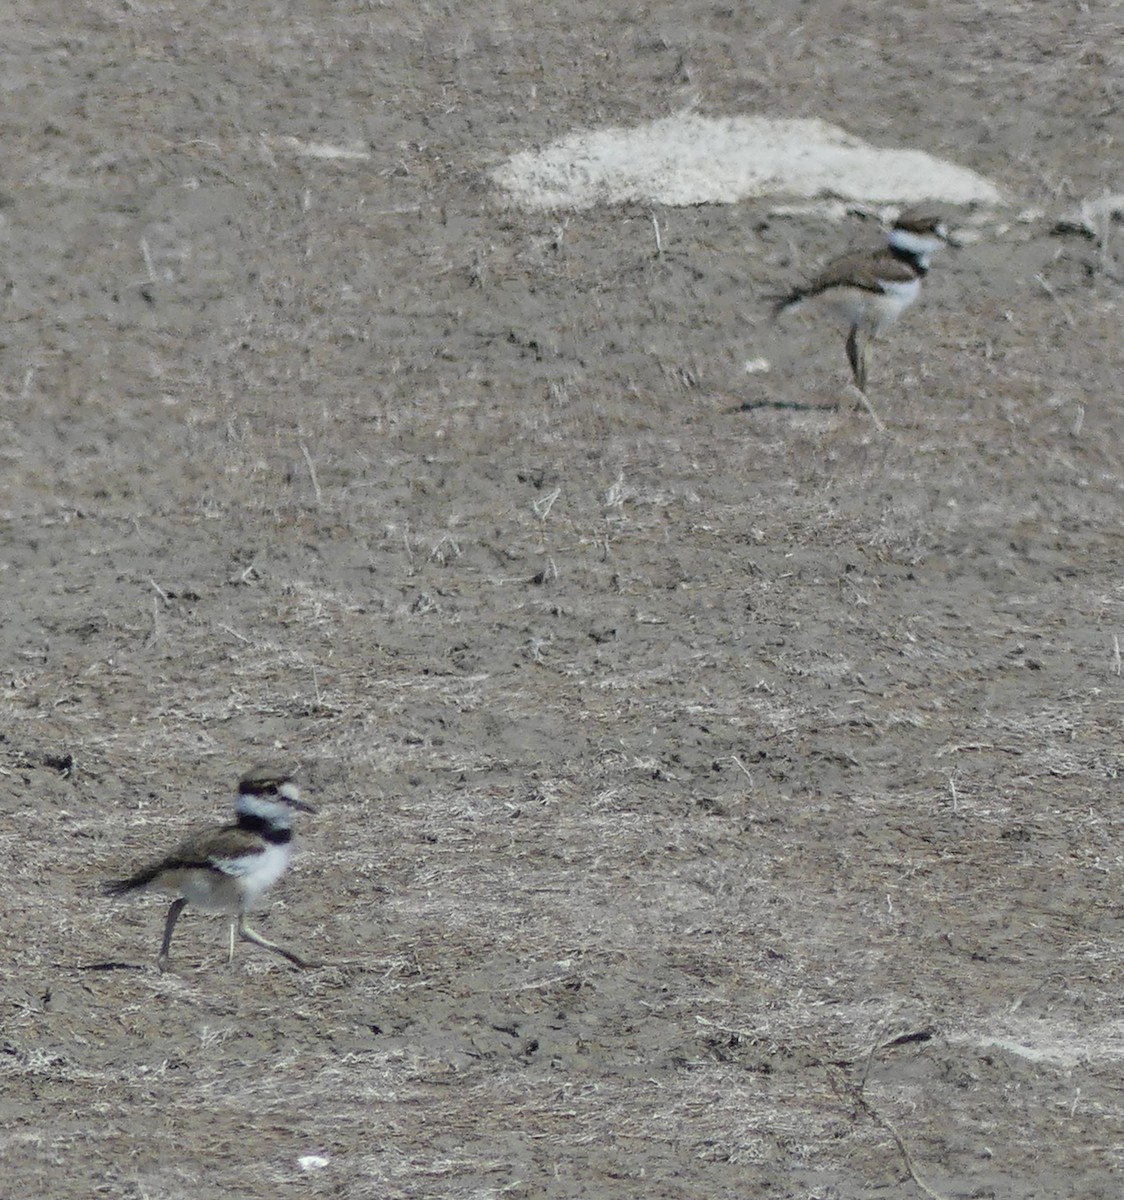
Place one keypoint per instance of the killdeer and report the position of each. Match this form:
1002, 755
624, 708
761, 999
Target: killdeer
871, 289
226, 868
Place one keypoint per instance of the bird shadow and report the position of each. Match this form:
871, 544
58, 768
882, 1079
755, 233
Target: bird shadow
109, 966
782, 406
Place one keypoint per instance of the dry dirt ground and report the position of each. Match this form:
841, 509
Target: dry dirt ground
716, 801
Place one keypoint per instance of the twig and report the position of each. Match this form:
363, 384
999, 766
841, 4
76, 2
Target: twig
856, 1094
543, 505
146, 254
907, 1158
312, 473
747, 1035
656, 229
1116, 664
958, 748
154, 636
741, 767
1046, 287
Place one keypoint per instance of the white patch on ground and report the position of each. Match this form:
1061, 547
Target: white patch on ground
1093, 216
1054, 1043
690, 159
320, 149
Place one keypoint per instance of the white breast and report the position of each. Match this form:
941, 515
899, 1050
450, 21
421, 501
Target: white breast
903, 293
258, 872
884, 308
237, 882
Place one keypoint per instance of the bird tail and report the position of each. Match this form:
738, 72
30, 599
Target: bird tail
787, 303
121, 887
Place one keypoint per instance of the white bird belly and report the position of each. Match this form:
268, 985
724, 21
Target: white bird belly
209, 891
261, 871
232, 884
870, 311
894, 299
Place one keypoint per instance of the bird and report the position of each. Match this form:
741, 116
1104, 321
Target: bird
226, 868
871, 289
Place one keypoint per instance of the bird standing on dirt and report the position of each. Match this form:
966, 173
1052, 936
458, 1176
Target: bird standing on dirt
227, 868
871, 289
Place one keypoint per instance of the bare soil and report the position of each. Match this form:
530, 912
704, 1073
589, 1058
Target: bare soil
719, 797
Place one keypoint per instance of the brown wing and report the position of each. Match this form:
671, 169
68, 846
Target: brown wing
865, 271
214, 848
211, 851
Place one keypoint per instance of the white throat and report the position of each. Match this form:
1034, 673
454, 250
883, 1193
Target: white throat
276, 813
917, 245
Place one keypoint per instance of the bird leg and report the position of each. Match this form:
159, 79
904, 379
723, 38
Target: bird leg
856, 356
248, 935
173, 916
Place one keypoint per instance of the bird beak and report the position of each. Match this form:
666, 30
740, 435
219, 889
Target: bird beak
292, 797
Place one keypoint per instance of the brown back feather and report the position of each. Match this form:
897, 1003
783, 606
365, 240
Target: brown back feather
861, 270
